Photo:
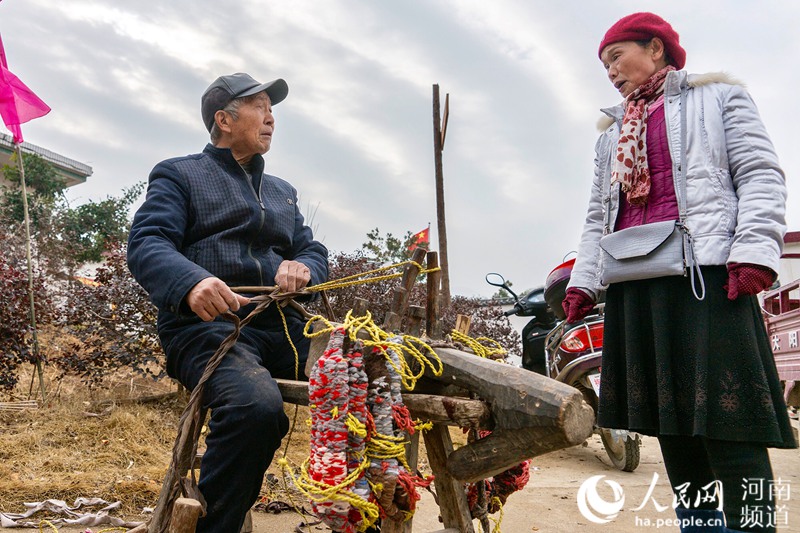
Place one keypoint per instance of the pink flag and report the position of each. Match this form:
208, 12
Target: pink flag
18, 104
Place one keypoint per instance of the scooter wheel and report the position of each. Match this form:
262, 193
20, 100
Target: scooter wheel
622, 450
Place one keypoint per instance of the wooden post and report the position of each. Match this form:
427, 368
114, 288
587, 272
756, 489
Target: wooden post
453, 504
432, 319
185, 514
482, 505
438, 147
360, 307
533, 414
391, 322
415, 315
463, 323
394, 317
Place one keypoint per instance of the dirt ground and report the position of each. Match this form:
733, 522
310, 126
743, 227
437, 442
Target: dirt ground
548, 504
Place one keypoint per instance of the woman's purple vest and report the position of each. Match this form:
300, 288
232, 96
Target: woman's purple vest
661, 203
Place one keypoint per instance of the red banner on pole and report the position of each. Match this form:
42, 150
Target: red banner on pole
18, 104
421, 239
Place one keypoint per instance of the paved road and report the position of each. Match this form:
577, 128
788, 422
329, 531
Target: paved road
548, 504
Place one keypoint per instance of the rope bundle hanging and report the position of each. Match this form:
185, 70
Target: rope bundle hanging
499, 487
393, 483
356, 471
333, 475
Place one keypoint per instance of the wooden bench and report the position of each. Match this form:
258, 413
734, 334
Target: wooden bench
528, 415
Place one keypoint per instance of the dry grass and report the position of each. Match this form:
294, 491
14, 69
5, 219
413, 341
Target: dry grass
76, 445
63, 451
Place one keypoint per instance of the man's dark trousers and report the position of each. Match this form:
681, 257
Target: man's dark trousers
247, 417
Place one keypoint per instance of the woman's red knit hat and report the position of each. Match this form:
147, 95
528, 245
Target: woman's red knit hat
643, 26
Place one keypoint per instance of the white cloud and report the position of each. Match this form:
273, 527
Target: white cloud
520, 31
124, 80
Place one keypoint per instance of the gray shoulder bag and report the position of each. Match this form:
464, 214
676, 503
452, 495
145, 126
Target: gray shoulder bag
653, 250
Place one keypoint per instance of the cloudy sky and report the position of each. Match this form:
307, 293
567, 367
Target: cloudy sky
124, 80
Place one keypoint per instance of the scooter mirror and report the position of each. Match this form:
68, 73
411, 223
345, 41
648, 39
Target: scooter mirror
495, 279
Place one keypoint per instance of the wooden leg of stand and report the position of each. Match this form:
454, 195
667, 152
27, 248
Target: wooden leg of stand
185, 513
452, 496
247, 527
412, 456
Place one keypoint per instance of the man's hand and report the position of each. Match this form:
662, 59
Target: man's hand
212, 297
292, 276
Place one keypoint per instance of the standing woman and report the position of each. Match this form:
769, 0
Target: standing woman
687, 358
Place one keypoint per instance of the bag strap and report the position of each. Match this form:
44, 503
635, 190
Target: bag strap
688, 243
606, 192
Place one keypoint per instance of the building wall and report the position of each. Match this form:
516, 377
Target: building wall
790, 261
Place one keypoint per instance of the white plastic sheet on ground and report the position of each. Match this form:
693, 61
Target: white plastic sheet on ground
71, 515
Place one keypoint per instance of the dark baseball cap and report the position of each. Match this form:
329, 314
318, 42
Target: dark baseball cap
226, 88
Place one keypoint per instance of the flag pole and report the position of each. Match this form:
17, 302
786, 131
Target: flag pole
26, 216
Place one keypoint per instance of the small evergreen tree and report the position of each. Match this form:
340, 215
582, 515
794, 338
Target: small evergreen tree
388, 249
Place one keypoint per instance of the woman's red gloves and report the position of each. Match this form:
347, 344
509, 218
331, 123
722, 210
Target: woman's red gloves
744, 278
577, 304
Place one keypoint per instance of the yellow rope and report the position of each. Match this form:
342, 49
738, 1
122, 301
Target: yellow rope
378, 339
499, 519
475, 345
320, 492
355, 279
294, 349
46, 523
355, 426
383, 446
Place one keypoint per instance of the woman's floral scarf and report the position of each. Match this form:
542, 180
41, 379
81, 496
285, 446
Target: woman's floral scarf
630, 166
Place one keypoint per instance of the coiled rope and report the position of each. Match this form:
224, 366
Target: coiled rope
385, 343
479, 345
356, 471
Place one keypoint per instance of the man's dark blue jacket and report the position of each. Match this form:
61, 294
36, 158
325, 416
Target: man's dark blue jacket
203, 217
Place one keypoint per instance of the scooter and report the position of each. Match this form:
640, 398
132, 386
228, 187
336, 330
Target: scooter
568, 352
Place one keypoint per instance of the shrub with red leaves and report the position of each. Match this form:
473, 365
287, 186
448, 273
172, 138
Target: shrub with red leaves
112, 325
16, 331
487, 321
